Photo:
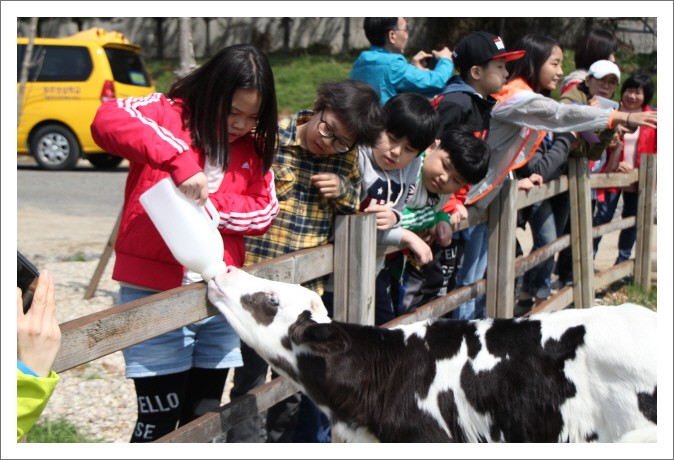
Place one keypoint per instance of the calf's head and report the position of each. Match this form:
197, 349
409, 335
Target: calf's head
278, 320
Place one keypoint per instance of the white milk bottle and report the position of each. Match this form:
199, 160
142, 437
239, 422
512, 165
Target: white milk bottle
189, 231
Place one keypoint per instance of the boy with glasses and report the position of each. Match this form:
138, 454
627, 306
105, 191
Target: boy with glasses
316, 178
385, 68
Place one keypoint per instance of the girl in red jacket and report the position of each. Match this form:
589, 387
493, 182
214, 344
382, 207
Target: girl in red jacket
215, 136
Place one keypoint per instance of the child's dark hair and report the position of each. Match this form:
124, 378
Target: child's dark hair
356, 106
640, 80
206, 96
539, 49
465, 73
411, 115
469, 154
598, 45
377, 29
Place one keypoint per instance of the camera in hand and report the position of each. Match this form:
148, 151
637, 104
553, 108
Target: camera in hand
26, 279
430, 62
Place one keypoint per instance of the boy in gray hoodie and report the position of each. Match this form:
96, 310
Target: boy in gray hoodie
389, 174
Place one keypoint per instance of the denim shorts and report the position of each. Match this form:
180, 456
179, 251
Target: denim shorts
210, 344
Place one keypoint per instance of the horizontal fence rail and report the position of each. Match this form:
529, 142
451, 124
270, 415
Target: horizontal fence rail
99, 334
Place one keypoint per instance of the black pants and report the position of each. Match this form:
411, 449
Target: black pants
167, 401
281, 417
433, 280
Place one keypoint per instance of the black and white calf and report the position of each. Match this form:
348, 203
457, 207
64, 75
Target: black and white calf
568, 376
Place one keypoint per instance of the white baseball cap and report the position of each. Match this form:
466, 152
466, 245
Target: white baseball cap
602, 68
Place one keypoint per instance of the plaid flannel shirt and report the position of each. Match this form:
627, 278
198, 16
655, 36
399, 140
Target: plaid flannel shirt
305, 219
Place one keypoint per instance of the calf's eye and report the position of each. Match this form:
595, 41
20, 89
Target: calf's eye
273, 300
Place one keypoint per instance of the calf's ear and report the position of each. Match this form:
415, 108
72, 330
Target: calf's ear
325, 338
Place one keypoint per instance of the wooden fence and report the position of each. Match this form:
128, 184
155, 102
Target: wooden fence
352, 259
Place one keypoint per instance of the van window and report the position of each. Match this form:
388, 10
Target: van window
127, 67
56, 63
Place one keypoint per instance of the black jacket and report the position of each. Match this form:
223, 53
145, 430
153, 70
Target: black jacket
549, 162
459, 104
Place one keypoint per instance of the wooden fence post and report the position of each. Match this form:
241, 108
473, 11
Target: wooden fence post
645, 208
506, 257
354, 276
501, 252
107, 252
581, 232
493, 226
354, 266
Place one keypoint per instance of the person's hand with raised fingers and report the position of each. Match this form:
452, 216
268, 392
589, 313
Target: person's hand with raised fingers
38, 332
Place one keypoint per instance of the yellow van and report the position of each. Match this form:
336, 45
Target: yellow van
68, 80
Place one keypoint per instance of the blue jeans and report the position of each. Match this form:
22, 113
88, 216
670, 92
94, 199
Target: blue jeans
603, 215
312, 424
209, 344
472, 269
547, 220
629, 235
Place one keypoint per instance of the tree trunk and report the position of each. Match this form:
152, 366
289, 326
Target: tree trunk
285, 23
159, 35
347, 32
186, 49
25, 67
207, 51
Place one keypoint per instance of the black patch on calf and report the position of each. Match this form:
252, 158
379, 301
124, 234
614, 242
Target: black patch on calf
282, 364
450, 414
648, 405
591, 437
524, 391
261, 306
374, 385
285, 341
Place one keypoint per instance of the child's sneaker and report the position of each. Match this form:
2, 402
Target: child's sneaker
522, 307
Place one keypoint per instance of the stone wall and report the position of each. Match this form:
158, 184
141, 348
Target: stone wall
276, 34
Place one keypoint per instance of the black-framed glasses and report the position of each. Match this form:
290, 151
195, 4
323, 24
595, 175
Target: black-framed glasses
337, 144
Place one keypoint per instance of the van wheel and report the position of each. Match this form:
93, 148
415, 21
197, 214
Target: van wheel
55, 147
104, 160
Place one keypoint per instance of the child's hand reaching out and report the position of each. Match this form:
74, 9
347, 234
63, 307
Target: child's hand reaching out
461, 213
386, 218
530, 182
422, 251
327, 183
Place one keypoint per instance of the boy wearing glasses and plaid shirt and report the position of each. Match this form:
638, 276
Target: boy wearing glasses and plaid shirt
316, 178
